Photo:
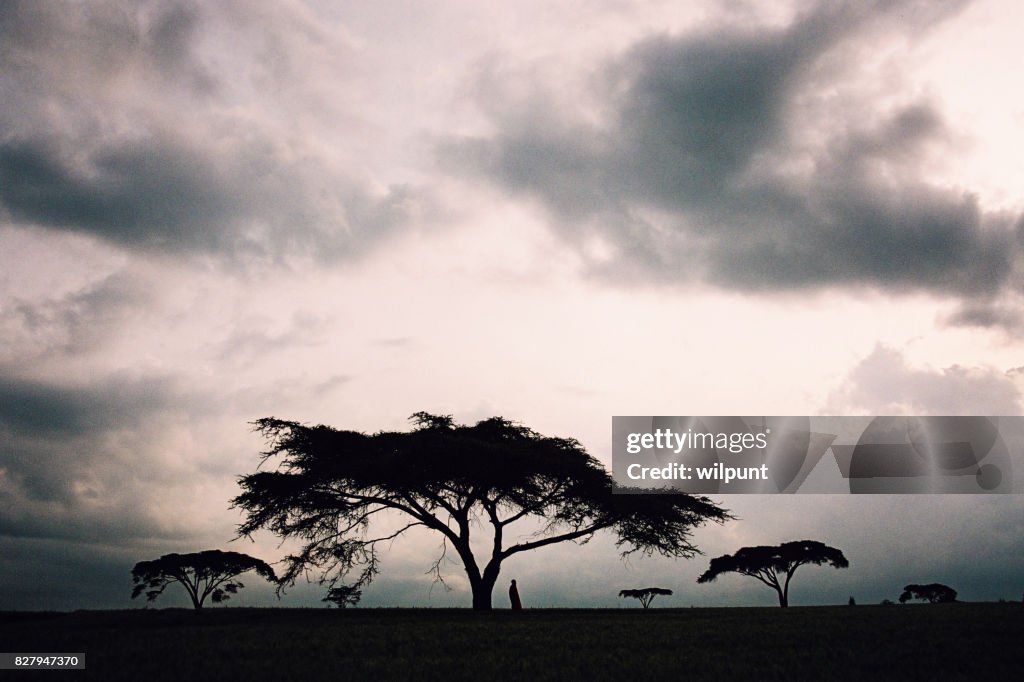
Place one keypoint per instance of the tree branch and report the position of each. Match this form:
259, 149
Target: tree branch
492, 512
574, 535
757, 574
435, 568
536, 506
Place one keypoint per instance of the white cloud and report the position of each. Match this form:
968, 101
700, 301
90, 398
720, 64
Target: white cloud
884, 383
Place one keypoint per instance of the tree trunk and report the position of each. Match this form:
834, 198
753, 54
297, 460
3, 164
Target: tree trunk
483, 586
783, 599
483, 590
197, 603
482, 597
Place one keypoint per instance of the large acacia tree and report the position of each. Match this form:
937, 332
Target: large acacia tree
775, 566
477, 486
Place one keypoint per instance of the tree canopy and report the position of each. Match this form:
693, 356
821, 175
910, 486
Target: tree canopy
934, 593
210, 573
332, 489
775, 566
646, 595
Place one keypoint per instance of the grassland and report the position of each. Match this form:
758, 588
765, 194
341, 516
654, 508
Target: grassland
920, 642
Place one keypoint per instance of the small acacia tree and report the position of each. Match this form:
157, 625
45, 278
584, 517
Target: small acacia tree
211, 573
775, 566
332, 488
343, 596
645, 595
934, 593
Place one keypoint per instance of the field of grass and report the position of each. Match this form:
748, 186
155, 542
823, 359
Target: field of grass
924, 642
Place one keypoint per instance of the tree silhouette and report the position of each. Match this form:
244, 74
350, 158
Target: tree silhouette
343, 596
935, 593
332, 488
775, 566
210, 573
645, 595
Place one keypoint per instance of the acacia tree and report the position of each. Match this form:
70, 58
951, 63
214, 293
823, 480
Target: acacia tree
645, 595
934, 593
211, 573
332, 488
775, 566
343, 596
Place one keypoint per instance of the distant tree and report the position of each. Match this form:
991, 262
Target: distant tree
343, 595
852, 602
888, 602
645, 595
775, 566
935, 593
211, 573
332, 487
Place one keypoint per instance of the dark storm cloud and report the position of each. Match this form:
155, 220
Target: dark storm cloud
81, 462
54, 574
987, 314
137, 195
51, 419
722, 158
117, 122
45, 409
170, 195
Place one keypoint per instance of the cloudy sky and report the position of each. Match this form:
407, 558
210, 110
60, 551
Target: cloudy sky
345, 213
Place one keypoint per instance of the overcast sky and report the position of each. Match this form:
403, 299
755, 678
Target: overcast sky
345, 213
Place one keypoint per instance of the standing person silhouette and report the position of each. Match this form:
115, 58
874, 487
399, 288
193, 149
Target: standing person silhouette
513, 596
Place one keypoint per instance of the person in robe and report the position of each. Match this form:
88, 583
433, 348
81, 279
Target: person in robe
513, 596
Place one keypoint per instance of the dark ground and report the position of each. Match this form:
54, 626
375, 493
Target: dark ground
922, 642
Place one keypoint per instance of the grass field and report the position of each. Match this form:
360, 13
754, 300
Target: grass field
923, 642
